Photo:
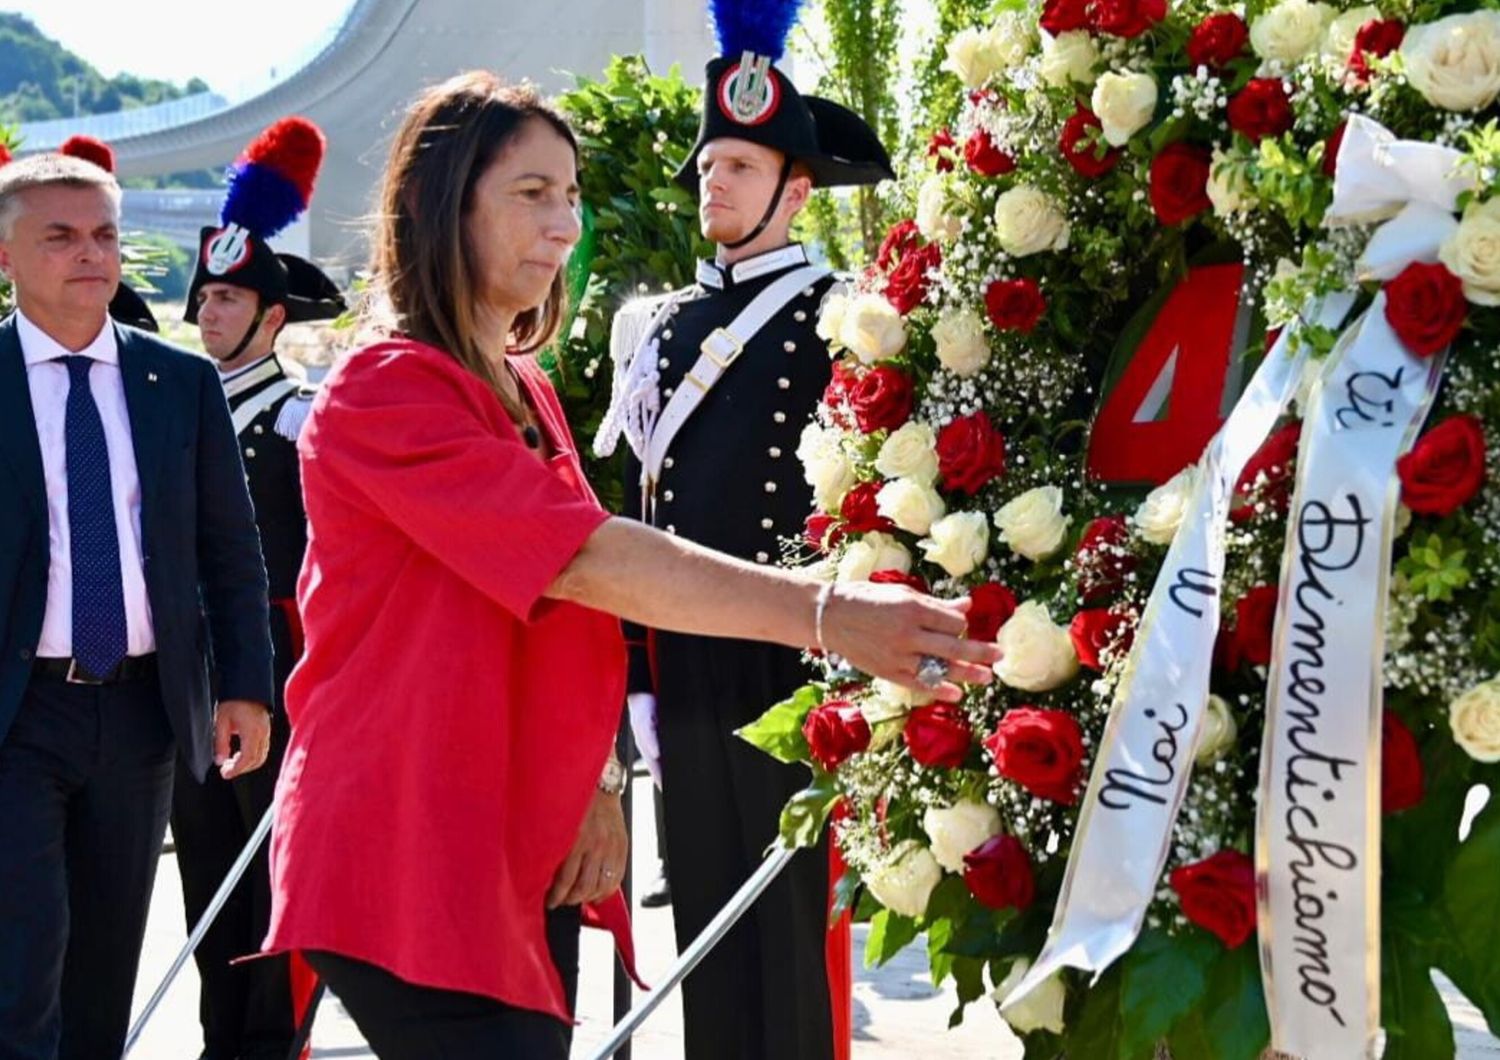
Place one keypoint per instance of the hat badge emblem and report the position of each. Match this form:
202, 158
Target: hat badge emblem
227, 250
748, 93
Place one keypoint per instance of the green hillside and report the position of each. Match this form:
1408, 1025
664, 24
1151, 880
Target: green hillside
42, 80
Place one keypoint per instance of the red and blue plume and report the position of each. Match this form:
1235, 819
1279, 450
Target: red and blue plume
759, 26
271, 183
90, 150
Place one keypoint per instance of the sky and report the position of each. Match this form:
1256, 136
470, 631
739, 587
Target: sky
174, 40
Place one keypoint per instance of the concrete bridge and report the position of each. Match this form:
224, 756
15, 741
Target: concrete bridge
354, 82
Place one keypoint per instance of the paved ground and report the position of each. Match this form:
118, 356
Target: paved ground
898, 1014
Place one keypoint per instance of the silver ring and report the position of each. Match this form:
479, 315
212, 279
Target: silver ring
931, 671
609, 874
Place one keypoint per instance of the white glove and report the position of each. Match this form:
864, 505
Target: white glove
642, 706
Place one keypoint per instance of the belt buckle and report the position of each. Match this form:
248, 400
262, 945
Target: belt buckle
720, 335
77, 677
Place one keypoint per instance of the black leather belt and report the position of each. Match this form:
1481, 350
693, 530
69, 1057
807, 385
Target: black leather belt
130, 668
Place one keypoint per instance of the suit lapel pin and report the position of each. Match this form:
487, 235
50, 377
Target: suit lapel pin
150, 377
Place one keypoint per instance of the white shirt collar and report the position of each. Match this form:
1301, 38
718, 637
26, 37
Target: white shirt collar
247, 376
713, 274
37, 346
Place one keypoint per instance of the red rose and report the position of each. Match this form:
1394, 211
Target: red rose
991, 607
985, 158
1271, 468
970, 453
938, 735
881, 399
821, 531
1400, 766
1041, 750
1254, 623
1262, 108
1179, 182
896, 577
1218, 894
1125, 18
906, 286
998, 873
901, 240
939, 148
1083, 145
1375, 40
1331, 149
1426, 307
1445, 468
835, 731
5, 155
1015, 305
1061, 16
1217, 41
860, 513
1095, 629
1103, 558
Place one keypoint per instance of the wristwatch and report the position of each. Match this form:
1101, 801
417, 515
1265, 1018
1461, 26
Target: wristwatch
614, 778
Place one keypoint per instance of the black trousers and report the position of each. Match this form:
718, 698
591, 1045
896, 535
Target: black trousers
85, 789
762, 994
404, 1021
245, 1009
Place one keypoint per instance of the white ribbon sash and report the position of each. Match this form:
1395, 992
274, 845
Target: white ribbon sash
1318, 833
1141, 772
1318, 829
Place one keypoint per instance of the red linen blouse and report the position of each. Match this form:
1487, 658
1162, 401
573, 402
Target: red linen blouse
449, 724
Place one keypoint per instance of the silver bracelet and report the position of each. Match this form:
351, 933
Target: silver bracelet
825, 594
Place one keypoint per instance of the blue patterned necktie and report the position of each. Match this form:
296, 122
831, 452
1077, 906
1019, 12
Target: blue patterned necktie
99, 631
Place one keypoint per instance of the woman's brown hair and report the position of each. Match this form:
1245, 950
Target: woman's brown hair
423, 266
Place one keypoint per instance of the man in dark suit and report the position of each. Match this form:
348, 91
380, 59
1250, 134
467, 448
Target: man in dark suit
129, 566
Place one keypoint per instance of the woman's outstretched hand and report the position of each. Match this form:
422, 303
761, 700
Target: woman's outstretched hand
885, 630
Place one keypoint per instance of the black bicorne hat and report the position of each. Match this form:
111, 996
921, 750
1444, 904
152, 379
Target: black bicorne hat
128, 307
270, 186
745, 96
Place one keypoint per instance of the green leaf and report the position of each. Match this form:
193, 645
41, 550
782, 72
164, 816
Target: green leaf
1094, 1029
1234, 1007
1416, 1022
778, 731
968, 973
1163, 977
806, 813
1469, 900
890, 933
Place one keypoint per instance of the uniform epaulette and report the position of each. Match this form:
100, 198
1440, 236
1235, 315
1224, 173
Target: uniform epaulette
293, 415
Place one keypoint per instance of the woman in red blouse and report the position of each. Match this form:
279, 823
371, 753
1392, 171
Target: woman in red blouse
464, 669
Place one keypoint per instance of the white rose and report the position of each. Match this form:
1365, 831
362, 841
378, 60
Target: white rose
1338, 39
1042, 1009
898, 699
1455, 61
955, 830
1033, 524
1124, 104
1036, 654
933, 220
904, 881
1229, 183
910, 452
825, 466
974, 55
872, 329
871, 553
962, 345
1290, 30
1027, 221
1218, 733
1069, 58
912, 506
1475, 720
958, 542
1472, 252
1011, 36
1161, 513
831, 316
